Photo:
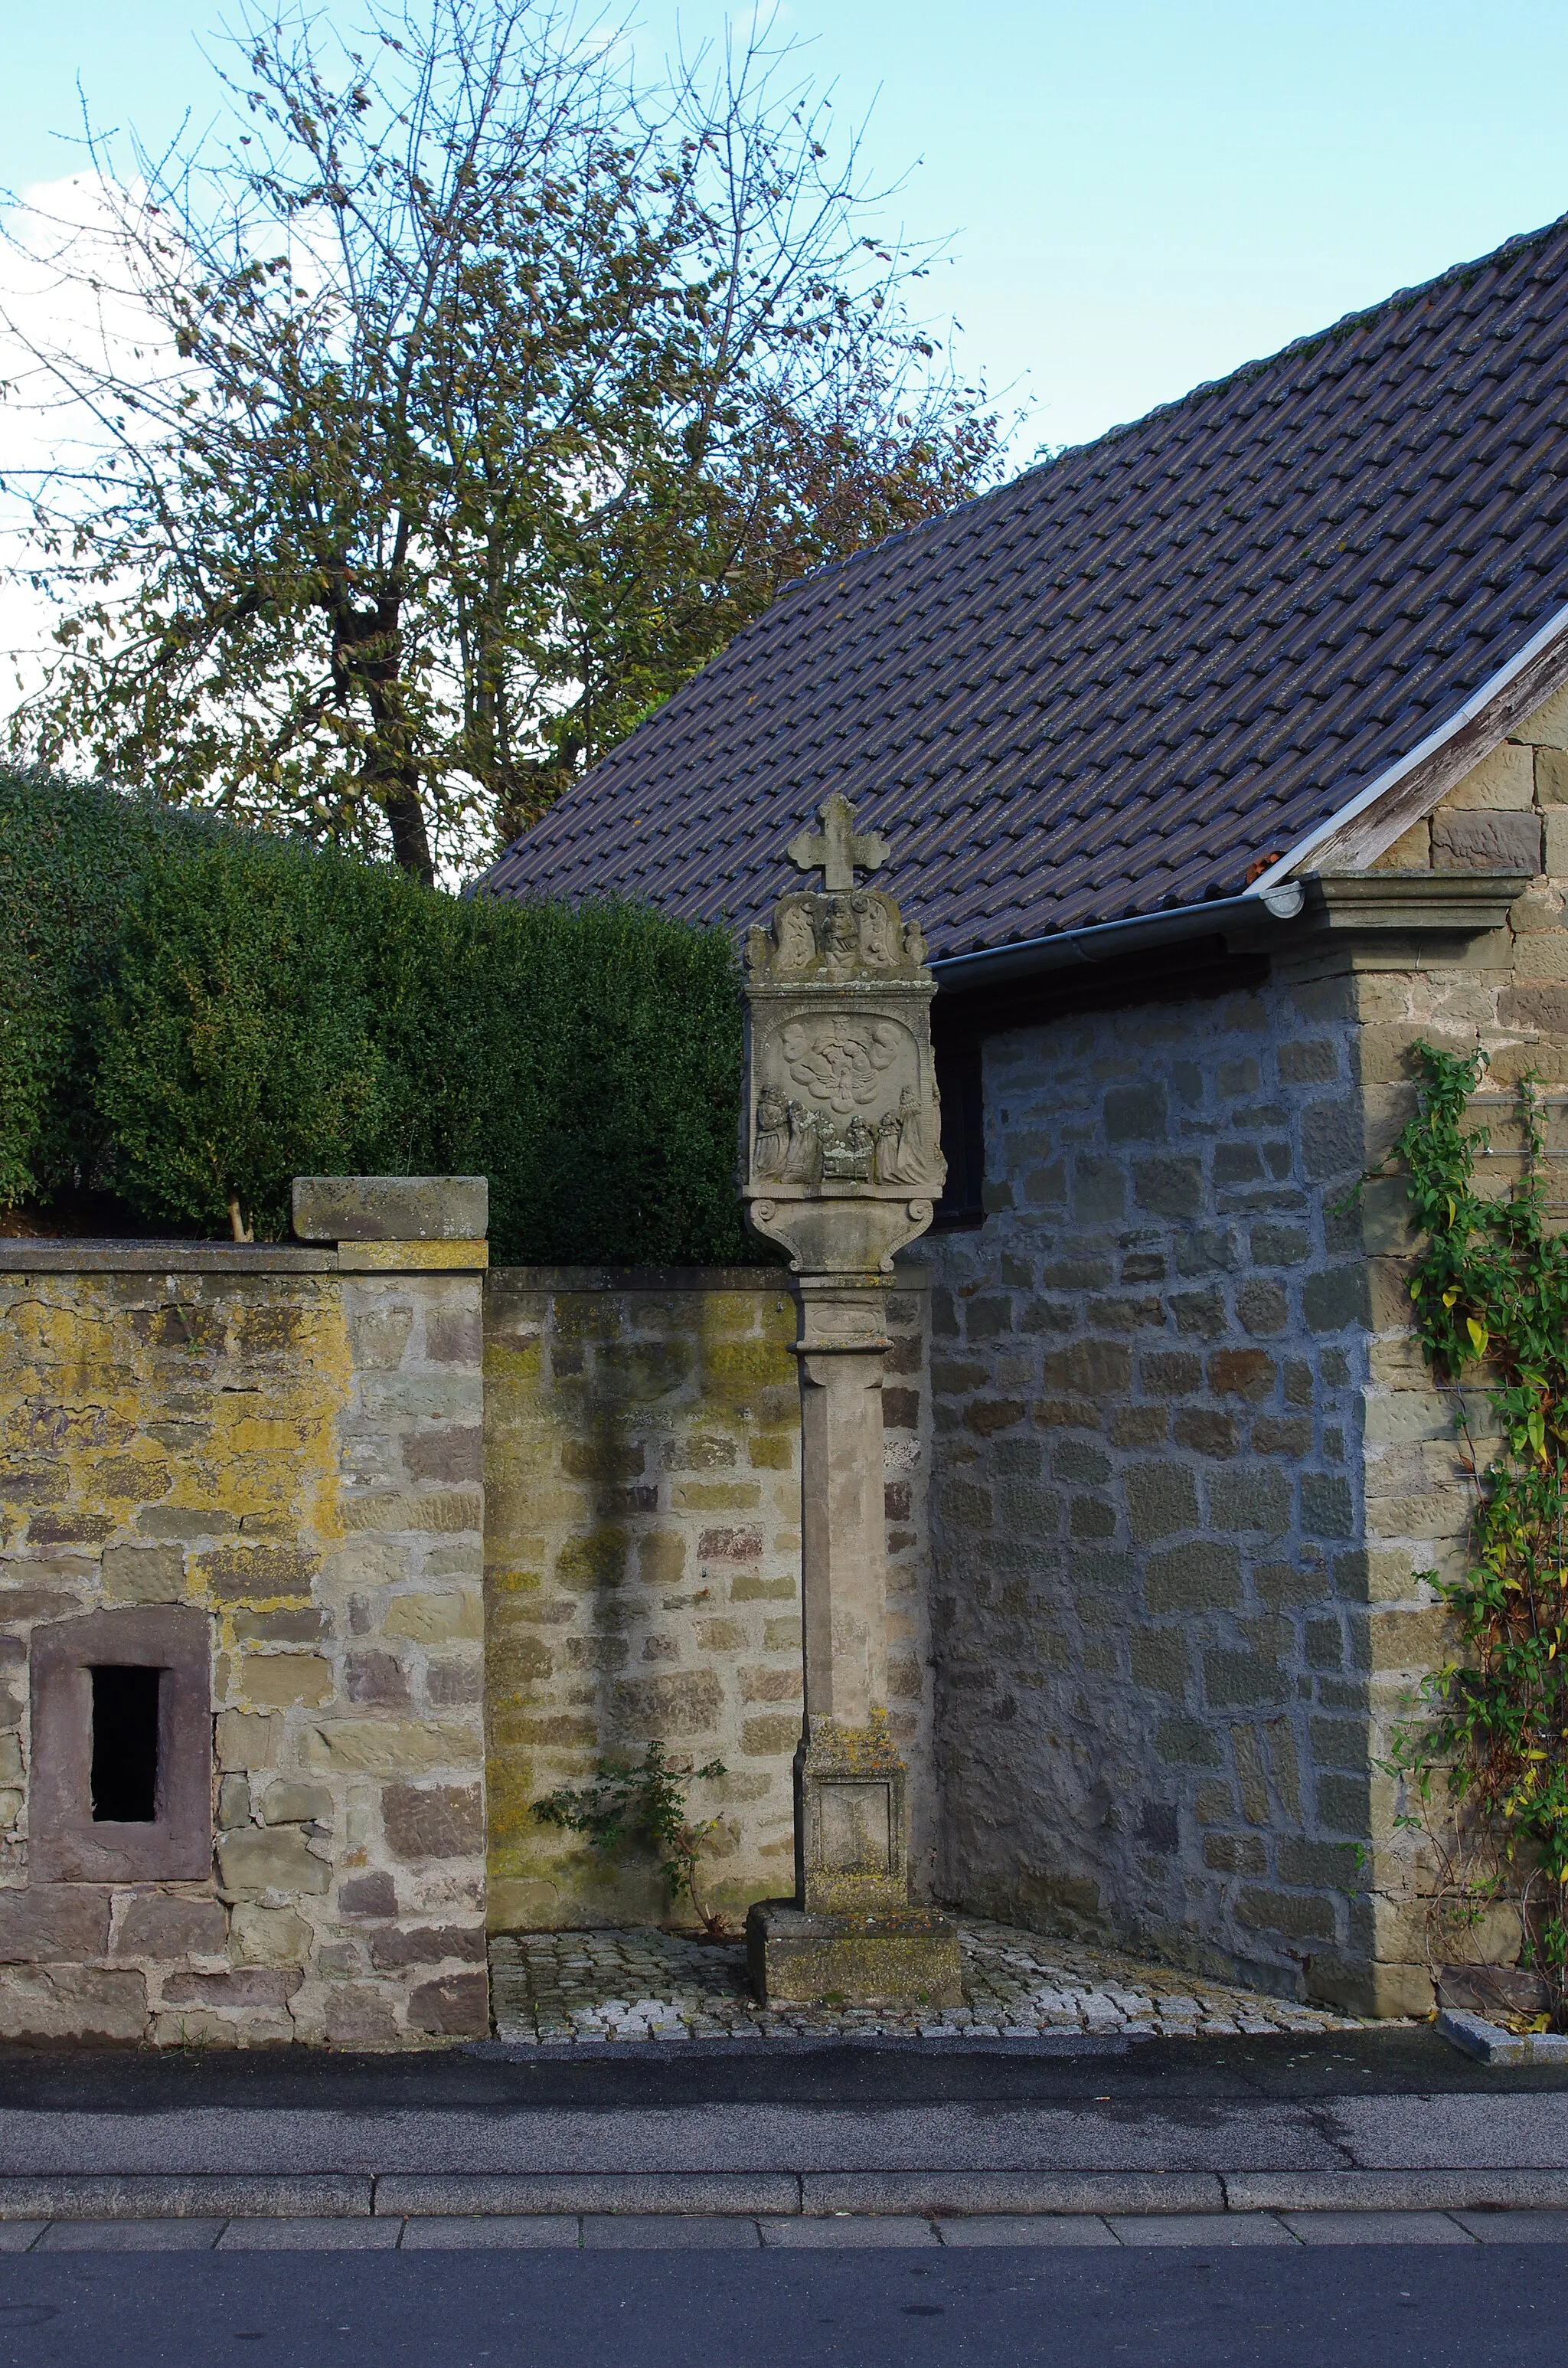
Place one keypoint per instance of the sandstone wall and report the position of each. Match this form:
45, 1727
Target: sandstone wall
643, 1570
288, 1441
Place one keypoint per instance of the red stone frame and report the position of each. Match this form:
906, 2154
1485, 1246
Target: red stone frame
65, 1845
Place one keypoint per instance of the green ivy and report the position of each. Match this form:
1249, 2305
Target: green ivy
1490, 1291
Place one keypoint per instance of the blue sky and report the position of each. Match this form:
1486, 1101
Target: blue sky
1140, 196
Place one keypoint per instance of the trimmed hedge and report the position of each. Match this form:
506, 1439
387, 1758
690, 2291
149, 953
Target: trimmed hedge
190, 1014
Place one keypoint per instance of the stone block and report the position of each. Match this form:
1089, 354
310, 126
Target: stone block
1296, 1914
1255, 1499
426, 1944
75, 2002
1485, 841
433, 1821
907, 1957
674, 1705
769, 1738
389, 1747
276, 1680
1161, 1660
1183, 1742
1327, 1506
1169, 1187
1249, 1373
1241, 1679
372, 1677
255, 1860
290, 1804
1202, 1576
371, 1896
1551, 785
157, 1924
391, 1208
1502, 781
1262, 1308
63, 1921
1135, 1114
358, 2016
268, 1936
1161, 1498
143, 1573
1362, 1985
456, 2007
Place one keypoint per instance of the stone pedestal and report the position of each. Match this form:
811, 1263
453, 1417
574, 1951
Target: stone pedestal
840, 1159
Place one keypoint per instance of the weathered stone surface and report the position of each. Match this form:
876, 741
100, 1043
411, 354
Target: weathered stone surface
456, 2008
259, 1860
432, 1820
73, 2002
156, 1924
391, 1208
59, 1921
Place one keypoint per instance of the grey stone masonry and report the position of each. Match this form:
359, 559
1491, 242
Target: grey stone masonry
1148, 1593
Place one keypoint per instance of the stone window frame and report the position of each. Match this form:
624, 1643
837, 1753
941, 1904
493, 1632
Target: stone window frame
65, 1844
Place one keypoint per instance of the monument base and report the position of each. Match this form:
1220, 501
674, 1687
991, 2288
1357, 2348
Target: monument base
903, 1957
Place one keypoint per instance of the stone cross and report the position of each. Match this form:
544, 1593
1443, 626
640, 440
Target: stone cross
841, 1163
838, 848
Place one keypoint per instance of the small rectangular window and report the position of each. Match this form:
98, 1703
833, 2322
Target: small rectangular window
125, 1746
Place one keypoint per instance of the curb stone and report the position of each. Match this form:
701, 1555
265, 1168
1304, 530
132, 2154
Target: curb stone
411, 2196
937, 2195
1473, 2035
1395, 2191
195, 2195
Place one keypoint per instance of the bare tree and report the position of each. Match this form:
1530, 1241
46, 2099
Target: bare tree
474, 396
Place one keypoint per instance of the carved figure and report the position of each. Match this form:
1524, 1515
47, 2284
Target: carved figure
797, 939
840, 933
771, 1155
840, 1060
904, 1147
759, 948
913, 943
846, 1158
876, 946
802, 1158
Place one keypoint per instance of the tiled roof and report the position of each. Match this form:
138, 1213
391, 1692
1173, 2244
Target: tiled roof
1114, 685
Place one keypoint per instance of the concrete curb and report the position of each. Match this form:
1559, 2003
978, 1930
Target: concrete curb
1395, 2191
940, 2194
944, 2194
176, 2195
489, 2193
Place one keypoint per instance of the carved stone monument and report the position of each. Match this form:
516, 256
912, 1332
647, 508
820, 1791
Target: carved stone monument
841, 1162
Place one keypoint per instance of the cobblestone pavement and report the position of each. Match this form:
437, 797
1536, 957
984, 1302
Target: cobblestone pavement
565, 1987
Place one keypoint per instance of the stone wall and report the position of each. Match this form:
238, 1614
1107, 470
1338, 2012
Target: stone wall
287, 1443
643, 1570
1189, 1465
1145, 1372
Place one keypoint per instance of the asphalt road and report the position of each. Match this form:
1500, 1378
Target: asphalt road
1394, 2307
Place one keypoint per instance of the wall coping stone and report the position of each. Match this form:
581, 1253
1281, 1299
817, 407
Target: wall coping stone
671, 1278
392, 1208
62, 1254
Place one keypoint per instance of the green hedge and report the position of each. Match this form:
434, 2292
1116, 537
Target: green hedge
189, 1013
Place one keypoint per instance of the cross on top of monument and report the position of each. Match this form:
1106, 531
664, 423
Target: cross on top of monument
837, 847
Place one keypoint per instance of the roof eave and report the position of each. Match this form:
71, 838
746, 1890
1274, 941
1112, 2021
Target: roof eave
1106, 940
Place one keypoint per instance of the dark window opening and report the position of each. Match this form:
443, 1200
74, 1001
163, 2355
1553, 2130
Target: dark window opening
958, 1076
125, 1746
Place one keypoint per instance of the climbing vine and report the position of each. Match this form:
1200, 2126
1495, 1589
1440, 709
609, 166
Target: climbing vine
1490, 1292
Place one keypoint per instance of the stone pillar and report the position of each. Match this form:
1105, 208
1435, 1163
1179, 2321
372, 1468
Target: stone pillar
841, 1161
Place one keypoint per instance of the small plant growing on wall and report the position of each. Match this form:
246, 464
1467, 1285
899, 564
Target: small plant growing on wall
644, 1801
1488, 1743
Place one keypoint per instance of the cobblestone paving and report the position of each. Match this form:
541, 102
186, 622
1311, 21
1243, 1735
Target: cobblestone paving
565, 1987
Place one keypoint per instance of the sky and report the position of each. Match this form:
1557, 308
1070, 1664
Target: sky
1137, 195
1129, 196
